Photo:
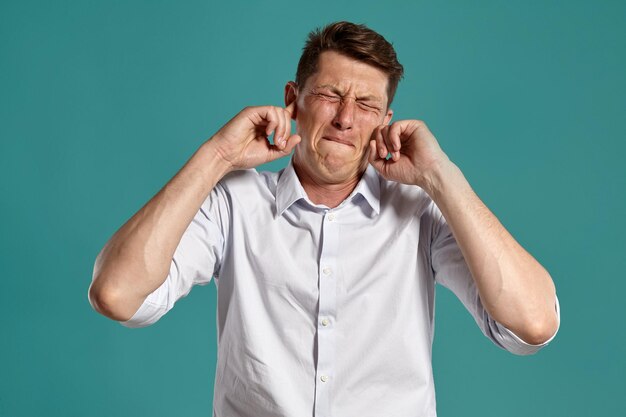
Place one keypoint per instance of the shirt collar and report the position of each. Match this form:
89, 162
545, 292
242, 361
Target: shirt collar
289, 190
369, 188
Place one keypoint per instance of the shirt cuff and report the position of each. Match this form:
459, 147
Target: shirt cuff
148, 313
515, 344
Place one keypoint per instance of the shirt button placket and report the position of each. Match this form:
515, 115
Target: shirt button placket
327, 311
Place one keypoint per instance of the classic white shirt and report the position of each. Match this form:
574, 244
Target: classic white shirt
323, 312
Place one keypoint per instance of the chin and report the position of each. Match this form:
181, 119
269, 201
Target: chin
340, 169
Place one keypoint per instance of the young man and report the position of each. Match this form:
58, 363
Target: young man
326, 270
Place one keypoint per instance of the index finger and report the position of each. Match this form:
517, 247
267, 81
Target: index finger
290, 108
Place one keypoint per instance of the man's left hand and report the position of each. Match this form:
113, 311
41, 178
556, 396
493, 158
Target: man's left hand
415, 153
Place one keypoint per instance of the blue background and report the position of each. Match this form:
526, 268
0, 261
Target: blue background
101, 102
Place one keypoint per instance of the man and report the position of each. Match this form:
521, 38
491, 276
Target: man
326, 270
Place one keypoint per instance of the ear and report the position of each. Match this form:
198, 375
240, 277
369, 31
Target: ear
388, 117
291, 94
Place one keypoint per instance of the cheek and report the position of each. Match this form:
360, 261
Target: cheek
323, 111
369, 123
313, 117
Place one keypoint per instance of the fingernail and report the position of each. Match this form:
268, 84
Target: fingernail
382, 153
280, 141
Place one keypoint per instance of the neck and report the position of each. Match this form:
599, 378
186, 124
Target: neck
321, 192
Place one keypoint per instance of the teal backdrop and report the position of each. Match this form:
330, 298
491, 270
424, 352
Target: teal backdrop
101, 102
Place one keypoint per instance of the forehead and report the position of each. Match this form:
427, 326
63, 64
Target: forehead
349, 76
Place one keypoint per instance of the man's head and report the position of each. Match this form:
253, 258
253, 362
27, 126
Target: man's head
354, 41
345, 81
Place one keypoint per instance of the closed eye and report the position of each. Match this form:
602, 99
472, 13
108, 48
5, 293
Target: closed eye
328, 96
368, 105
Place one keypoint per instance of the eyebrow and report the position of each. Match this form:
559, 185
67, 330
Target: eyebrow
335, 90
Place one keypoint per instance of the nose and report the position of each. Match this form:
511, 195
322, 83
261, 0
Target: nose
344, 117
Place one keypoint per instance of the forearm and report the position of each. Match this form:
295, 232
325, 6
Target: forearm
513, 287
137, 258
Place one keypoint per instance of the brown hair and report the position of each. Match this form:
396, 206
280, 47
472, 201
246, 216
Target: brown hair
355, 41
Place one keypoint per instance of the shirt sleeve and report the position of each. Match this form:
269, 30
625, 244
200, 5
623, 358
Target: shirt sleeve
451, 270
196, 260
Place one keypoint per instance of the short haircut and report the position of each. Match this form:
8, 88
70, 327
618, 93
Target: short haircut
355, 41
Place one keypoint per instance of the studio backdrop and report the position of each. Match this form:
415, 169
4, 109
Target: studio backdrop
101, 102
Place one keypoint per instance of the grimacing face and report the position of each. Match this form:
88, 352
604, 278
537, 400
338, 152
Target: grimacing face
337, 110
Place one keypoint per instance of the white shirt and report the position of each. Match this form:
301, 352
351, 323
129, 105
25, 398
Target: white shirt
323, 312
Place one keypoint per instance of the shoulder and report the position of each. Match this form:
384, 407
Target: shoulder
249, 178
249, 185
404, 199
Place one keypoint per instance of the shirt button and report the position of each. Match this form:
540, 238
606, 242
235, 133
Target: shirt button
324, 378
325, 322
326, 271
331, 217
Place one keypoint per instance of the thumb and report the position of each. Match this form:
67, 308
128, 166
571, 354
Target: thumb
292, 141
373, 157
276, 153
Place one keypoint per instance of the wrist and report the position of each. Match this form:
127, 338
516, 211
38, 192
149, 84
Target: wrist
215, 157
444, 177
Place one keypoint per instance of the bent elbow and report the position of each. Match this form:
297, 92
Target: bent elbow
540, 331
107, 303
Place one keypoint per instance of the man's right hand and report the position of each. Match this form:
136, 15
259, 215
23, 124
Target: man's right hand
137, 258
243, 142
